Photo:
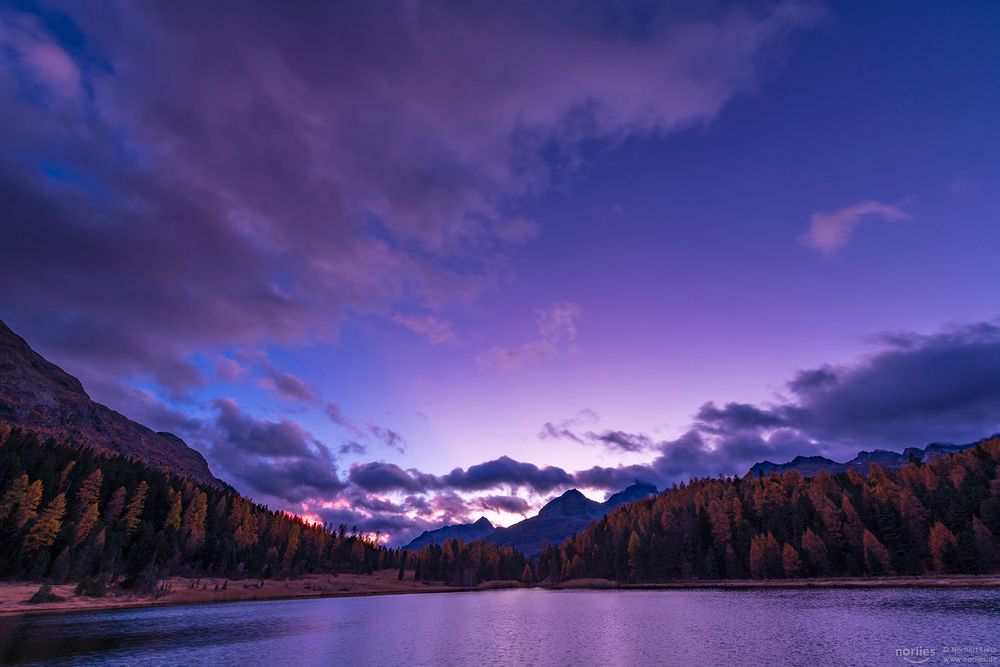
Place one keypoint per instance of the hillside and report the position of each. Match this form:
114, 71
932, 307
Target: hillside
39, 397
555, 521
942, 515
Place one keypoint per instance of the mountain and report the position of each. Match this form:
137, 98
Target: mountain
39, 397
557, 520
463, 532
811, 465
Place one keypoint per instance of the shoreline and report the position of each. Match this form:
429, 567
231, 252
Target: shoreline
950, 581
385, 582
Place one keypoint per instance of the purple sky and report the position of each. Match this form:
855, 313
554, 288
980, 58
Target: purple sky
399, 265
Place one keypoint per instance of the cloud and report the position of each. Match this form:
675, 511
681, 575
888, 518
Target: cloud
366, 429
611, 440
508, 504
565, 429
507, 471
288, 386
912, 390
735, 417
277, 460
352, 447
829, 231
24, 43
435, 330
379, 476
556, 329
387, 437
621, 440
253, 183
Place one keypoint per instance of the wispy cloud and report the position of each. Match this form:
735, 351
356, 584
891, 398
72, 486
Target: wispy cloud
556, 331
435, 330
830, 231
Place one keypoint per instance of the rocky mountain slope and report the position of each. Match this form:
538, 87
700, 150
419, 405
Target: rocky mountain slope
39, 397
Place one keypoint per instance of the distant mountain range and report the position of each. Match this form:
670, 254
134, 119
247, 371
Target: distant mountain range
557, 520
812, 465
39, 397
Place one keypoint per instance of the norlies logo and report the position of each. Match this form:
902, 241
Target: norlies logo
916, 655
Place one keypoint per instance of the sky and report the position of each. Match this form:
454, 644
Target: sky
397, 265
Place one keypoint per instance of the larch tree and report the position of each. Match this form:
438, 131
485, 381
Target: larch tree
45, 529
943, 546
790, 561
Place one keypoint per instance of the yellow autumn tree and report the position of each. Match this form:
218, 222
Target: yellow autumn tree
173, 520
27, 506
193, 522
133, 512
292, 547
44, 531
87, 502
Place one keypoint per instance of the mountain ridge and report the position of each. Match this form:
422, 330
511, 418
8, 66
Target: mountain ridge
811, 465
39, 397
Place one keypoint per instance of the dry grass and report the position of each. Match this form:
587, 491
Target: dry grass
13, 595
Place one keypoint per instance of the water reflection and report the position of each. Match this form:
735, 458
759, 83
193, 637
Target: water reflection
521, 627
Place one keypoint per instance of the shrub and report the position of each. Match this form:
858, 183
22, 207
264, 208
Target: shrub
45, 594
95, 587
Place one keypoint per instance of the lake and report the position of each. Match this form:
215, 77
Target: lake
532, 627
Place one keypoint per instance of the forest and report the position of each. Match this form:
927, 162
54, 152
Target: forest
70, 514
942, 516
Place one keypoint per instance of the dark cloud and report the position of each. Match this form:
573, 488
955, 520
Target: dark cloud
352, 447
379, 476
196, 183
621, 440
914, 390
499, 503
506, 471
277, 460
735, 417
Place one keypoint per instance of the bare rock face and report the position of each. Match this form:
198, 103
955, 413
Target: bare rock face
39, 397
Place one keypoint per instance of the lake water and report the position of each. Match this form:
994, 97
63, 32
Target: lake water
531, 627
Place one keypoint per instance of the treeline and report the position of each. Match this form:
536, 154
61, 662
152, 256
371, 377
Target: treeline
68, 513
460, 564
939, 516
